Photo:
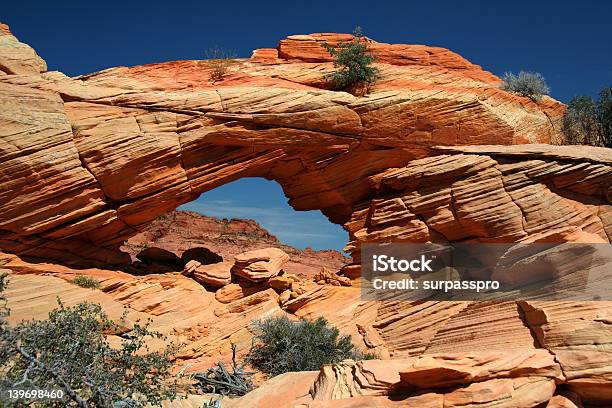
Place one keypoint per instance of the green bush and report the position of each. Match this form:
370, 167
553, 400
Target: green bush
529, 84
589, 122
580, 124
604, 115
353, 63
69, 351
281, 345
220, 61
86, 282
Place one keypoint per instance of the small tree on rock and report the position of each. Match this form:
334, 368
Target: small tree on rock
353, 62
529, 84
220, 61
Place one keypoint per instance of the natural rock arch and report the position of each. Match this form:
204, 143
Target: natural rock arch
87, 161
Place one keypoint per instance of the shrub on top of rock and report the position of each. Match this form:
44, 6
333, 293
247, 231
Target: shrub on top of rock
353, 63
282, 345
220, 61
529, 84
86, 282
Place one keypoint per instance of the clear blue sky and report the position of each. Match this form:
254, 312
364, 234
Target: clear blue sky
264, 201
568, 42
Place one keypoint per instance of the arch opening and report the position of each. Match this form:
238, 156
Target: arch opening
264, 201
244, 215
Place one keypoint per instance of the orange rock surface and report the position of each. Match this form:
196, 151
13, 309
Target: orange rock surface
260, 264
109, 152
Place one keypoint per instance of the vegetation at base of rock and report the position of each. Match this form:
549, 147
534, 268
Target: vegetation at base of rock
281, 345
358, 355
86, 282
529, 84
69, 351
219, 60
353, 62
218, 380
588, 121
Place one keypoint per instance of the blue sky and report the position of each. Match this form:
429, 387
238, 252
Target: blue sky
264, 201
568, 42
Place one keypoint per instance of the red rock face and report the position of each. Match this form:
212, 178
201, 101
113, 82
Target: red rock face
90, 161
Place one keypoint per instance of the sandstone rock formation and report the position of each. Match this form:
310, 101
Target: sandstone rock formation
282, 283
513, 355
109, 152
326, 276
260, 264
436, 152
516, 379
217, 274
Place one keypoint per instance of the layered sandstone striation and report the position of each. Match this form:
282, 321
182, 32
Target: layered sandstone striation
433, 353
260, 264
436, 152
89, 161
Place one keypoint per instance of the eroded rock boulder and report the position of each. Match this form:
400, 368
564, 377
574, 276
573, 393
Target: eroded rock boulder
237, 291
284, 282
260, 265
325, 276
447, 370
216, 274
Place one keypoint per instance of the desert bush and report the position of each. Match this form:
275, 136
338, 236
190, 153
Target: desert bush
589, 122
69, 351
220, 61
353, 62
86, 282
281, 345
604, 115
529, 84
580, 124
